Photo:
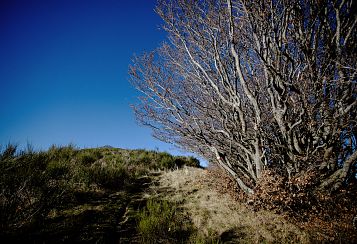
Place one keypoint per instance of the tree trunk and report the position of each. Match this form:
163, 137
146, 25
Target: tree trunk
223, 164
335, 181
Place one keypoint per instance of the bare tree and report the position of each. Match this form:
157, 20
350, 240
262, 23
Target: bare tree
252, 85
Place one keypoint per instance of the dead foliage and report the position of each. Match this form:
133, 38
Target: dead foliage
327, 217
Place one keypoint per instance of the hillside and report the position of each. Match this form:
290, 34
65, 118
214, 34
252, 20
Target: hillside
217, 217
109, 195
71, 195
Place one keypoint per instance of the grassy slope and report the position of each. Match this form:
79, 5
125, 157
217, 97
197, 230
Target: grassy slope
109, 195
70, 195
218, 217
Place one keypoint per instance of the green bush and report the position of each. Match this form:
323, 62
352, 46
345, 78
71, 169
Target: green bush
88, 157
111, 176
201, 239
156, 221
140, 156
62, 152
166, 161
57, 169
192, 162
26, 189
161, 222
80, 174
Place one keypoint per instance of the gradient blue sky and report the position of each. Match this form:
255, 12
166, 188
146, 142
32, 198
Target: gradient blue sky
63, 71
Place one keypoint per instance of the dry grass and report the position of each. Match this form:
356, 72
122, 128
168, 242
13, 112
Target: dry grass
219, 215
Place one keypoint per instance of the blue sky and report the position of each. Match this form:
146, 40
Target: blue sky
63, 71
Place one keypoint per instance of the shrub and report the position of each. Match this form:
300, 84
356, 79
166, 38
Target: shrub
80, 174
166, 161
193, 162
26, 191
111, 176
161, 222
62, 152
144, 157
87, 157
57, 169
327, 217
187, 161
8, 153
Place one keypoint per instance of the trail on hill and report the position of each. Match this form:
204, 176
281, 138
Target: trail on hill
111, 216
213, 213
70, 195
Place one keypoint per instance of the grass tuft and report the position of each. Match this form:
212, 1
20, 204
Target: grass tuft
162, 222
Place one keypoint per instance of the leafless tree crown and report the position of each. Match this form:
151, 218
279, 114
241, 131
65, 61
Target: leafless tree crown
252, 85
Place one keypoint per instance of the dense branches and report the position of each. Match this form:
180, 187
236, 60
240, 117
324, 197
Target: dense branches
253, 85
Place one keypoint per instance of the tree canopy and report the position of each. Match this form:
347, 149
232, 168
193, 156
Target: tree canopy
256, 85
